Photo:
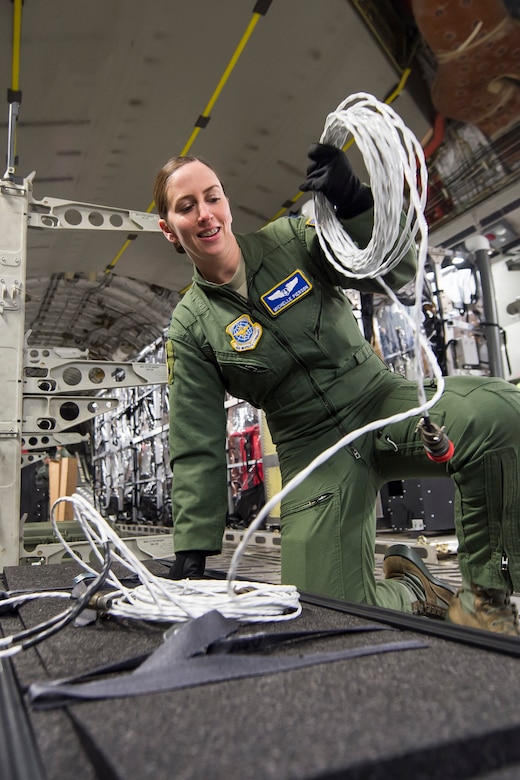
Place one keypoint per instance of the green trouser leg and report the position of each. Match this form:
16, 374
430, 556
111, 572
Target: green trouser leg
328, 521
326, 548
328, 531
482, 418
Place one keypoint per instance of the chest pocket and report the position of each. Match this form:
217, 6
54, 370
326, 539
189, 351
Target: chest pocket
246, 376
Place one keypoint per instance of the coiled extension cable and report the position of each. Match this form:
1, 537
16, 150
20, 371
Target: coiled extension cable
162, 599
393, 158
155, 599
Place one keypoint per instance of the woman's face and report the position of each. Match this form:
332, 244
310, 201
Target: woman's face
199, 217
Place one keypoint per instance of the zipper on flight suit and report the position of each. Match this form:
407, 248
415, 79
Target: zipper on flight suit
317, 330
388, 440
259, 314
391, 442
322, 499
504, 567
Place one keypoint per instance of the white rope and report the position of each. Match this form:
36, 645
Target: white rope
398, 175
392, 157
391, 154
162, 599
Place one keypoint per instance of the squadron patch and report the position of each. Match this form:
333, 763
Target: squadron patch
286, 292
244, 333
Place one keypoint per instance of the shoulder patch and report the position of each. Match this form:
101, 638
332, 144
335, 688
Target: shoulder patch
245, 334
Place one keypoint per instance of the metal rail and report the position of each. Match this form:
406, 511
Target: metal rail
20, 758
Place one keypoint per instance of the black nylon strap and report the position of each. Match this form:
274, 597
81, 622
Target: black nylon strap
222, 645
182, 662
252, 643
200, 670
191, 639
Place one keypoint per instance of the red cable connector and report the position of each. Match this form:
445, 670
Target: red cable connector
437, 445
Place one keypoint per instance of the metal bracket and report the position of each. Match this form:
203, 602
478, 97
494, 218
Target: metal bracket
10, 294
41, 441
57, 213
9, 429
12, 188
28, 460
144, 548
46, 374
10, 259
45, 413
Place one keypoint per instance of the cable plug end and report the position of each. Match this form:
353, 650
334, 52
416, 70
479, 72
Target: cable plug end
438, 446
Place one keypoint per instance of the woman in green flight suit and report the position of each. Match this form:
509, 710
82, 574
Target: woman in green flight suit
266, 320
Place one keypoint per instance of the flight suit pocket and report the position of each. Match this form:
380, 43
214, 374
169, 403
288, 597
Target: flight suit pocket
248, 379
311, 542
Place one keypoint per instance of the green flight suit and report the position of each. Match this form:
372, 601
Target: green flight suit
294, 349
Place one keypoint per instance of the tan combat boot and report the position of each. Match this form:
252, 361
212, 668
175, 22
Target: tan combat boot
431, 596
485, 608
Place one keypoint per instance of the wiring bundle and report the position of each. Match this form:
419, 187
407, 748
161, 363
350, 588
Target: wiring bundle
154, 599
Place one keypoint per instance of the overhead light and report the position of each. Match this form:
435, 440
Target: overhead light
458, 260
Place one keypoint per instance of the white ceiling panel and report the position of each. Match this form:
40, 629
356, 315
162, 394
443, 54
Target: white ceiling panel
111, 90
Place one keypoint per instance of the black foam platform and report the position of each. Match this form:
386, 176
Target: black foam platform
447, 710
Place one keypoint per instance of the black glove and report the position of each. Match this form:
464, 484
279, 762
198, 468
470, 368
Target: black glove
330, 173
188, 565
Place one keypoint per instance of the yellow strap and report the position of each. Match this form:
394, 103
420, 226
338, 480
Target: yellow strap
17, 34
205, 114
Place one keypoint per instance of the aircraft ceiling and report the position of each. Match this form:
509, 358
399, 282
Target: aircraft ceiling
111, 90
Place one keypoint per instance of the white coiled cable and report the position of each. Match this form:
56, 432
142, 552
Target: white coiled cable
393, 157
162, 599
396, 167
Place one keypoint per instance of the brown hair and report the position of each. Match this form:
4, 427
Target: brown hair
163, 177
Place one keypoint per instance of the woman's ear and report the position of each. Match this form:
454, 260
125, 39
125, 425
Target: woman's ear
171, 236
167, 231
